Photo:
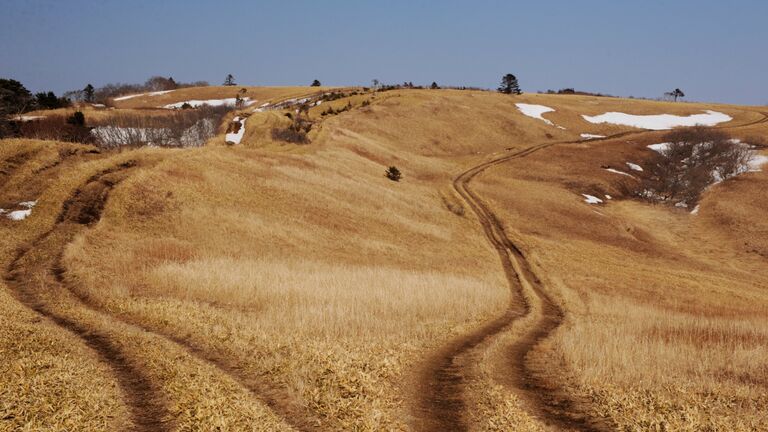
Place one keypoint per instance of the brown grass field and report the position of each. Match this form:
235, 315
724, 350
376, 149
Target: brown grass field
273, 286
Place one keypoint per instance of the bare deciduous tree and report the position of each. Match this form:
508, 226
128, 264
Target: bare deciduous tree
692, 159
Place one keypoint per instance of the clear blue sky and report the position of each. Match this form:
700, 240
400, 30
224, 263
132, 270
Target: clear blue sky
713, 50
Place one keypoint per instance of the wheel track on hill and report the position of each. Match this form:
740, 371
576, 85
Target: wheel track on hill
37, 262
9, 165
141, 394
294, 415
441, 406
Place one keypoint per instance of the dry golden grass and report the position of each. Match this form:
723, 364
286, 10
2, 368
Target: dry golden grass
306, 269
667, 318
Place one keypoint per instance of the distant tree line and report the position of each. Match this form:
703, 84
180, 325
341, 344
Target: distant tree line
103, 94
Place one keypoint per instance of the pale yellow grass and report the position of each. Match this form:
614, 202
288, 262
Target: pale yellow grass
324, 300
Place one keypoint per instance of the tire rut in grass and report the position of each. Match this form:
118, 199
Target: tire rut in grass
11, 164
85, 208
441, 404
34, 274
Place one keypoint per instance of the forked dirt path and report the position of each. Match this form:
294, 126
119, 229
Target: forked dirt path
35, 279
441, 406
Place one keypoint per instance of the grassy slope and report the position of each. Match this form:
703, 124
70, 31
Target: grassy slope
305, 266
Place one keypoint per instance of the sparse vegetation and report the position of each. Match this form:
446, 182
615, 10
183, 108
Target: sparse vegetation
693, 159
393, 173
57, 127
182, 128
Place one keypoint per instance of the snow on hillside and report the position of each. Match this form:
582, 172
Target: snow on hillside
535, 111
591, 136
659, 121
157, 93
660, 147
756, 162
590, 199
615, 171
194, 103
19, 215
634, 167
236, 137
126, 97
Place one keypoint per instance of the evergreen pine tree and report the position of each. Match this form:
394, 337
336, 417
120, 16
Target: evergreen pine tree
509, 85
230, 80
89, 93
316, 83
434, 86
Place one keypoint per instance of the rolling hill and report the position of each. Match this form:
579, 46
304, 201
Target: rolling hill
508, 281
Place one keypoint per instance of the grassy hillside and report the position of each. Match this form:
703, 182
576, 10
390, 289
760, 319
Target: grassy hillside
280, 286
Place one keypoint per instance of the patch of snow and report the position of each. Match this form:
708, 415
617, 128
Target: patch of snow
28, 204
156, 93
695, 210
660, 147
659, 121
98, 105
589, 199
591, 136
615, 171
535, 111
756, 162
19, 214
122, 98
634, 167
681, 204
608, 197
194, 103
24, 118
236, 137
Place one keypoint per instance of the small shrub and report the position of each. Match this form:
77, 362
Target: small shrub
76, 119
393, 173
290, 135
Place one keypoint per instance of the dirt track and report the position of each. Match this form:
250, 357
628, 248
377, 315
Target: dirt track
39, 261
441, 405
